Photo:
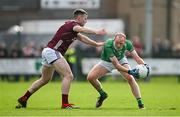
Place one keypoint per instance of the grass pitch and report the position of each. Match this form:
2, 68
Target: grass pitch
161, 97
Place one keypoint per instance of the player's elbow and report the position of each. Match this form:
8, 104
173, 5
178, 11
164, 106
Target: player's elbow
120, 68
78, 29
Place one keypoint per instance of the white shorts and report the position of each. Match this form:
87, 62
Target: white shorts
49, 56
109, 66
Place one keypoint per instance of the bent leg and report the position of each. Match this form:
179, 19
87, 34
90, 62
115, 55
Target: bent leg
134, 87
47, 73
93, 76
96, 72
132, 82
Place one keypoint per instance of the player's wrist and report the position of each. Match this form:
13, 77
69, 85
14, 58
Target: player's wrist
96, 32
96, 44
129, 71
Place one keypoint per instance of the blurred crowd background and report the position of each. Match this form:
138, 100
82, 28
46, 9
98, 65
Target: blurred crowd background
18, 39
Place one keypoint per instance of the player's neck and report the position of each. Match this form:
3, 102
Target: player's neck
115, 46
77, 22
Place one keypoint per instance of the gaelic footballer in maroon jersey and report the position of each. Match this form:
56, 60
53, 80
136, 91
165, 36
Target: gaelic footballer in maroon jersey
64, 37
52, 56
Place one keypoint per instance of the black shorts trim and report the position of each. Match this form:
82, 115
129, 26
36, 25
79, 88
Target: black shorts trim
53, 61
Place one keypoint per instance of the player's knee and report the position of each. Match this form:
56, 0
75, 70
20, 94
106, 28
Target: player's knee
90, 77
129, 78
45, 80
70, 76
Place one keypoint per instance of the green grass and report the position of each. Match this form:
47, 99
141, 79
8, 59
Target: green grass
161, 97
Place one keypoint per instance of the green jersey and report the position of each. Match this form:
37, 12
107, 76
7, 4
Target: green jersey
110, 51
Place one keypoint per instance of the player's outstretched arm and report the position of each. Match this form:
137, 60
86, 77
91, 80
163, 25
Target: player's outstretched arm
137, 58
89, 41
89, 31
117, 65
120, 68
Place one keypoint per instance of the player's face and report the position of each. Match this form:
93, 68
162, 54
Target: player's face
82, 19
119, 42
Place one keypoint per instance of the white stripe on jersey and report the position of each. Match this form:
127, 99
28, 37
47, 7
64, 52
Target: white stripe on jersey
58, 44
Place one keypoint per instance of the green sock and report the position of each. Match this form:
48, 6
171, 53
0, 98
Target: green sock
102, 93
139, 101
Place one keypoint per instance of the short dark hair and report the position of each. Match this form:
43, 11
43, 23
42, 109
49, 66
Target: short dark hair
79, 12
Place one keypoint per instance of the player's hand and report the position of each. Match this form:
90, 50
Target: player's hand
100, 44
147, 66
134, 72
101, 32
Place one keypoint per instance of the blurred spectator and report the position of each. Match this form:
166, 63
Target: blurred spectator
38, 51
71, 58
162, 48
166, 46
176, 50
3, 50
157, 46
90, 52
138, 46
14, 50
29, 49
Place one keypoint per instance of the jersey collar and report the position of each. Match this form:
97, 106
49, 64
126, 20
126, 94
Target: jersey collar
114, 46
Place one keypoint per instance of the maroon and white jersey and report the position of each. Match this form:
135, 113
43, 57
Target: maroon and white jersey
63, 37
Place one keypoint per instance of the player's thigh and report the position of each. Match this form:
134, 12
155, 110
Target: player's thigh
47, 72
126, 75
62, 67
97, 71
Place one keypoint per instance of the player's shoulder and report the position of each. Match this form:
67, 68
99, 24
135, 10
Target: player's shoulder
71, 22
129, 46
128, 41
109, 42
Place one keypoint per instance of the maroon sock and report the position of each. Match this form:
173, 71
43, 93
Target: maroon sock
26, 96
65, 99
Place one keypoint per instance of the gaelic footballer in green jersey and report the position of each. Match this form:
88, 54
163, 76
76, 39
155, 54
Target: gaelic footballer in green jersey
113, 57
110, 50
